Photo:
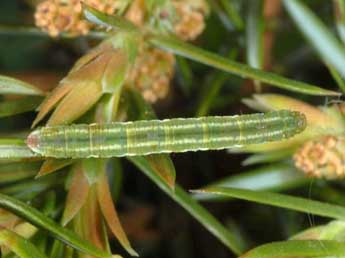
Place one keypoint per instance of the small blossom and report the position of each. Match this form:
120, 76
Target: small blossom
190, 20
322, 158
320, 147
152, 73
58, 16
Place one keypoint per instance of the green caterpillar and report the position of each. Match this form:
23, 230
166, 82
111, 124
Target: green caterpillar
164, 136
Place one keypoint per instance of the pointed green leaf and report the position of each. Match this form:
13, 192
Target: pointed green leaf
228, 238
10, 85
275, 177
318, 35
232, 13
184, 75
189, 51
254, 35
116, 22
270, 156
38, 219
29, 189
212, 88
57, 250
334, 230
18, 106
279, 200
12, 172
19, 245
298, 248
339, 13
337, 77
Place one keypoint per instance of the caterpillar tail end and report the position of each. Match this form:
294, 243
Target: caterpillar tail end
33, 141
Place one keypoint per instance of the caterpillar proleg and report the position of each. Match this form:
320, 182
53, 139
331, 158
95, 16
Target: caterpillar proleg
164, 136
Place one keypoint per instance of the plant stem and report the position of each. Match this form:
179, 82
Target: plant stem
10, 30
181, 48
197, 54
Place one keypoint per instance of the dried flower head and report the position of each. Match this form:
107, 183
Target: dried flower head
57, 16
322, 158
190, 21
152, 73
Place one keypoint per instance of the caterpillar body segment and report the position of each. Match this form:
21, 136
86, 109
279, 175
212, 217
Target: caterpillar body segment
164, 136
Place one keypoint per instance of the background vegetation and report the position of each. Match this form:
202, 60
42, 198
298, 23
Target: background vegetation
299, 40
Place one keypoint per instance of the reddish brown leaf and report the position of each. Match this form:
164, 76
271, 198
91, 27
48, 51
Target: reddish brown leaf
110, 214
163, 166
77, 195
91, 55
89, 223
51, 100
51, 165
87, 73
76, 103
86, 92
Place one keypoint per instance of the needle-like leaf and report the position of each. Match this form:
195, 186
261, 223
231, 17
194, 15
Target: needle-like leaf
12, 172
189, 51
275, 177
193, 207
18, 106
279, 200
197, 54
298, 248
19, 245
38, 219
10, 85
319, 36
254, 36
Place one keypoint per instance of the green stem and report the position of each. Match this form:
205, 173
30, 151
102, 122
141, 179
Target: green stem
197, 54
9, 30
